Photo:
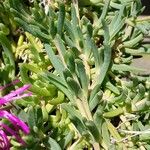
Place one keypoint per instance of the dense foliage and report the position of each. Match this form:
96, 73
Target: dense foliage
77, 57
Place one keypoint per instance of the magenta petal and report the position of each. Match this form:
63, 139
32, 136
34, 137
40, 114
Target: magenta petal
17, 92
4, 142
13, 133
4, 101
15, 121
21, 96
22, 89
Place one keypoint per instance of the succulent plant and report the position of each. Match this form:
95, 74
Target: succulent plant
78, 56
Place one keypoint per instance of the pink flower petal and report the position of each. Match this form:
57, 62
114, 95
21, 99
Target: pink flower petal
22, 96
4, 101
15, 121
17, 92
4, 143
13, 133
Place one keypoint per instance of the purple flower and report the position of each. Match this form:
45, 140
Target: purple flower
4, 142
17, 94
17, 123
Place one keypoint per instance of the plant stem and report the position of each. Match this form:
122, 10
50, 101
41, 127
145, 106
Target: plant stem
85, 112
